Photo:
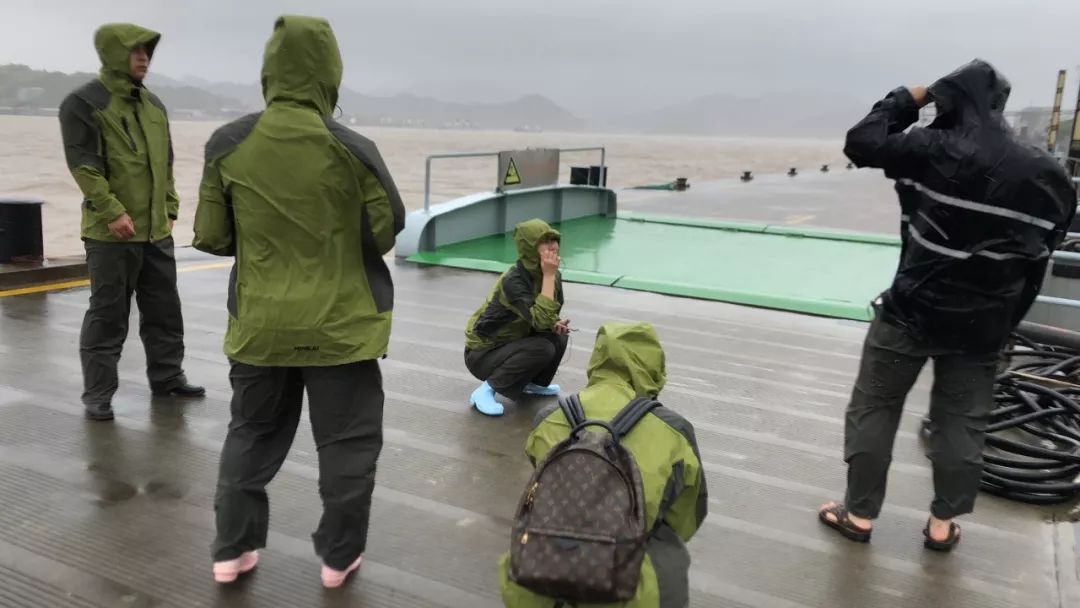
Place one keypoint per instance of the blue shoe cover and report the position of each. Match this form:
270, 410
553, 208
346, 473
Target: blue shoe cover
545, 391
483, 398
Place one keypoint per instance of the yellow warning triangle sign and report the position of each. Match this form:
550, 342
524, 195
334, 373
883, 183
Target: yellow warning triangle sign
512, 178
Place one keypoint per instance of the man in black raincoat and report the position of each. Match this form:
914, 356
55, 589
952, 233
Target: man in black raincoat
981, 215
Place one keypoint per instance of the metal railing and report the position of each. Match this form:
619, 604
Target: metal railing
1053, 301
427, 170
1061, 256
427, 167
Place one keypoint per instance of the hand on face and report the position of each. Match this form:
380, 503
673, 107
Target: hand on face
549, 257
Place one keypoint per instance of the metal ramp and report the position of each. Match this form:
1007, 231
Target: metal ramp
799, 270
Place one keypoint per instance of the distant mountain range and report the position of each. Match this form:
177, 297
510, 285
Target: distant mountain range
25, 90
527, 113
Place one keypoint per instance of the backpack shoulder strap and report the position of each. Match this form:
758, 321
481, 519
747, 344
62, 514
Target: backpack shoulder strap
625, 420
571, 407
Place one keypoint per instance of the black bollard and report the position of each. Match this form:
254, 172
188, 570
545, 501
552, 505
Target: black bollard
824, 168
598, 176
792, 172
746, 176
579, 176
20, 231
851, 166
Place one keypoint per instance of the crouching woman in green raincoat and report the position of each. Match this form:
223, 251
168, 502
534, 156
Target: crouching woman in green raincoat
628, 363
515, 341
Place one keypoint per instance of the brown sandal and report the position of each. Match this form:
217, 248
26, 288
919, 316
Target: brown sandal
942, 545
843, 523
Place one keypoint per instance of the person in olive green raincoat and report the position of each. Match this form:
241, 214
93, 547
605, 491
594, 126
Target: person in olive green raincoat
515, 341
308, 209
627, 363
119, 150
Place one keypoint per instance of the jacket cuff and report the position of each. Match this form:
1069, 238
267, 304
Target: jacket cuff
904, 105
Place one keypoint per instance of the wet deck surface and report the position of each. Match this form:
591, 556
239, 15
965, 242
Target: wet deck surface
120, 514
857, 201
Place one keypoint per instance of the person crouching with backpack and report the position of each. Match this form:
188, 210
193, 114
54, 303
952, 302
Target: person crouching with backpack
611, 551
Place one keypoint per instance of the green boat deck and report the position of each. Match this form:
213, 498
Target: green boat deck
809, 271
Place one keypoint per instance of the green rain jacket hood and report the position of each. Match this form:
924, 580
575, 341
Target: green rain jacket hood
302, 64
629, 354
114, 43
528, 235
628, 362
117, 143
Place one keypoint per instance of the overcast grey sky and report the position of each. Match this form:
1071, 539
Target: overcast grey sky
590, 55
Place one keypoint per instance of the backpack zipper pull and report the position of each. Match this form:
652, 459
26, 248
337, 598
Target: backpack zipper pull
525, 538
532, 494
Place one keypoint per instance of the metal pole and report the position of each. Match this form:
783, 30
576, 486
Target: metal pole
1066, 302
603, 165
427, 185
1055, 113
1067, 256
1074, 145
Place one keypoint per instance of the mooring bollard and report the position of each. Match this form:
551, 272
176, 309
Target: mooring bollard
598, 176
824, 168
579, 176
746, 176
20, 231
792, 172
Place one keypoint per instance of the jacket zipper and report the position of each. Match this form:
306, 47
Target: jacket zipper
149, 161
127, 131
596, 538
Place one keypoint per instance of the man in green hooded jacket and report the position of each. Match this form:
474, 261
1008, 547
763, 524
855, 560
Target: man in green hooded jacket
515, 341
308, 209
119, 150
628, 363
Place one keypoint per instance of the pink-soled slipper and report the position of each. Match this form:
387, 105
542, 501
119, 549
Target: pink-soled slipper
227, 572
332, 579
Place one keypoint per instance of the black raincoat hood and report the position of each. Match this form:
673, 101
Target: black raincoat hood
974, 95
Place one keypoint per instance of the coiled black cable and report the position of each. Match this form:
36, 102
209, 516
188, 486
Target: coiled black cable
1032, 449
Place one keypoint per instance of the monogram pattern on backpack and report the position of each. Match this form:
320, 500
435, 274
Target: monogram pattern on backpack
580, 530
